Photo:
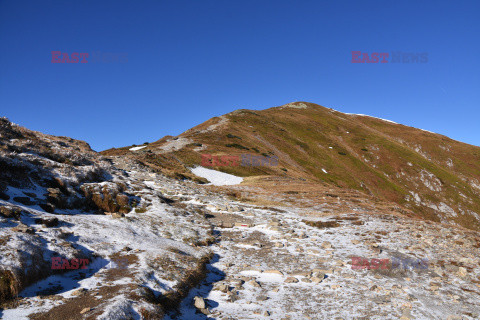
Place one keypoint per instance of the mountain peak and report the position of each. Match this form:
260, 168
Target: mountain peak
416, 169
272, 186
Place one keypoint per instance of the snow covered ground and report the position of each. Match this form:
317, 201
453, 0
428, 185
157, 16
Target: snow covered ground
289, 270
149, 249
365, 115
217, 178
268, 263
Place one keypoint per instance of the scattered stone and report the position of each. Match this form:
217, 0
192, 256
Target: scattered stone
232, 296
49, 223
10, 212
221, 208
224, 224
79, 292
262, 298
319, 274
326, 245
316, 280
223, 288
205, 311
85, 310
434, 287
199, 302
23, 228
291, 280
381, 299
118, 215
324, 271
238, 283
462, 272
302, 273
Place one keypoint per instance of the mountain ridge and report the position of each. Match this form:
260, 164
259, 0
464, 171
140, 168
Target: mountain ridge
423, 171
165, 247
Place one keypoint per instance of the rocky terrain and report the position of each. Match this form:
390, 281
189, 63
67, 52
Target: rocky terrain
162, 243
430, 174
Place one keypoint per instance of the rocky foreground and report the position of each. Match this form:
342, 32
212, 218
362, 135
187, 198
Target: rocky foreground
159, 248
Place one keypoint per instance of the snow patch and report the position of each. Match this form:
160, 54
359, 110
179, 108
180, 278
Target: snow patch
364, 115
217, 178
121, 309
427, 131
137, 148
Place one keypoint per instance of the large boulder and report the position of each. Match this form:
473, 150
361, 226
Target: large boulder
199, 302
10, 212
56, 198
107, 197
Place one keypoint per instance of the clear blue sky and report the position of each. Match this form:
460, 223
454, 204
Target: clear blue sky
191, 60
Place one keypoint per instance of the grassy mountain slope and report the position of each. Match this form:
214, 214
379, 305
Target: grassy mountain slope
430, 174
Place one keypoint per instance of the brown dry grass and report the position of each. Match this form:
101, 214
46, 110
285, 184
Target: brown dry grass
375, 157
322, 224
192, 277
9, 287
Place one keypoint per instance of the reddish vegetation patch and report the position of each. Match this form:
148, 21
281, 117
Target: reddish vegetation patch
378, 158
322, 224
